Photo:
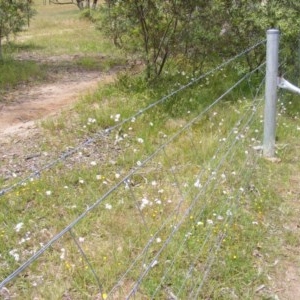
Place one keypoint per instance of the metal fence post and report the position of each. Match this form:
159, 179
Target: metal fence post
271, 93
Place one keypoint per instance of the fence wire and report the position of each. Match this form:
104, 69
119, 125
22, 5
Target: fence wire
156, 223
103, 133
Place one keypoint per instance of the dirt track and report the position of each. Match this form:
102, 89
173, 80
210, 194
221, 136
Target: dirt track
31, 103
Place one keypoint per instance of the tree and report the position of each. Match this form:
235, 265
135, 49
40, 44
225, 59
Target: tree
156, 30
14, 15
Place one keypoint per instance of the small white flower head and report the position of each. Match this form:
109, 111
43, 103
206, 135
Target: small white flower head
220, 218
117, 117
154, 264
15, 255
98, 177
197, 184
157, 201
108, 206
153, 183
81, 239
81, 181
229, 213
158, 240
19, 226
145, 202
63, 253
151, 124
133, 119
138, 163
48, 193
140, 140
117, 175
210, 222
93, 163
91, 121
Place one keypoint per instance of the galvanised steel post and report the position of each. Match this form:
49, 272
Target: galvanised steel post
271, 93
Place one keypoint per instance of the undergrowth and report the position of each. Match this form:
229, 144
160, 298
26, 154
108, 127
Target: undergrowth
207, 195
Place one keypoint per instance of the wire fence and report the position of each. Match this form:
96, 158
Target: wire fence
143, 226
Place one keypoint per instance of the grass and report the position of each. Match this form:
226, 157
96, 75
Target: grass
210, 198
59, 32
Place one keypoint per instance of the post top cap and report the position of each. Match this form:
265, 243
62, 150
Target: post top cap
273, 31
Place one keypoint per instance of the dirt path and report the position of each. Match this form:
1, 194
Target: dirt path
29, 104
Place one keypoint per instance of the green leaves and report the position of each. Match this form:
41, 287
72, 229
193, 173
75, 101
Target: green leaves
154, 30
14, 15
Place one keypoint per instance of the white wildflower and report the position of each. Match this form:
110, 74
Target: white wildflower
154, 263
19, 226
63, 253
197, 184
108, 206
15, 254
48, 193
117, 117
144, 203
228, 213
157, 201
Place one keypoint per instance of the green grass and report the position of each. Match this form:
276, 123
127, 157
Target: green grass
58, 32
14, 72
114, 237
237, 218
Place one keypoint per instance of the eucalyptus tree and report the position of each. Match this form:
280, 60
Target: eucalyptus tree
14, 15
245, 22
156, 30
196, 30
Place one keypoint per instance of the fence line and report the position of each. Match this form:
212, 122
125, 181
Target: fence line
203, 190
104, 132
121, 182
180, 213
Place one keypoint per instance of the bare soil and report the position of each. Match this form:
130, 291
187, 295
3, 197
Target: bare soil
27, 104
22, 108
